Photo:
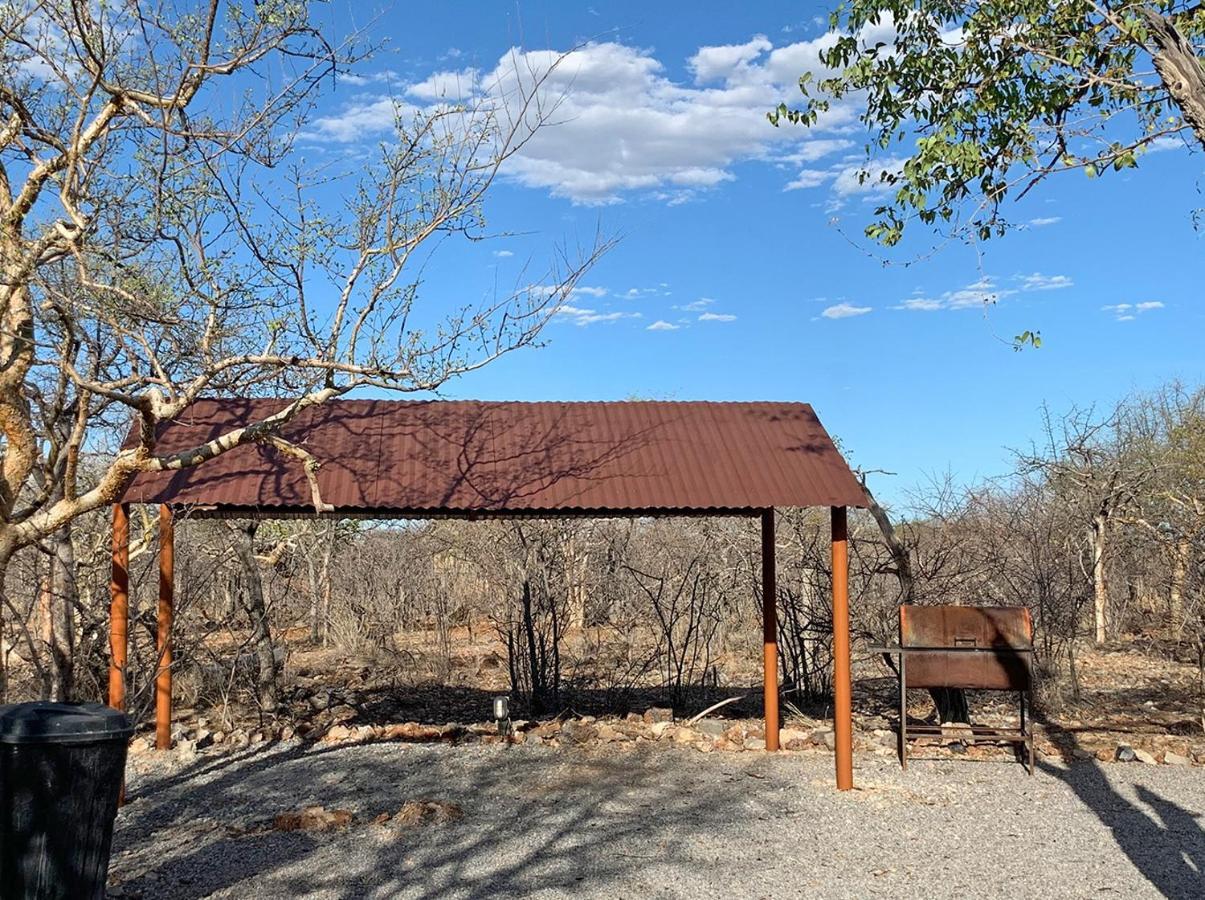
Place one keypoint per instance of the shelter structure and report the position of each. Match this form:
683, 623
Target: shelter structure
394, 459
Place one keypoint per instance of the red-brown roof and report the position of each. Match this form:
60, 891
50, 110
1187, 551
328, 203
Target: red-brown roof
418, 458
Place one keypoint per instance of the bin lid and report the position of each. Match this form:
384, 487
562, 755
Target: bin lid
43, 722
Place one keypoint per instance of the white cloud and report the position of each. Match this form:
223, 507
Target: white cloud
446, 85
504, 254
581, 316
360, 79
1039, 282
714, 63
717, 317
809, 178
359, 120
698, 305
867, 178
1043, 221
810, 151
636, 293
978, 293
1127, 312
924, 304
548, 290
845, 311
662, 325
623, 125
1166, 142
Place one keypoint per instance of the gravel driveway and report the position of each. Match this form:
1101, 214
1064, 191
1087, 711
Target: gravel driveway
643, 822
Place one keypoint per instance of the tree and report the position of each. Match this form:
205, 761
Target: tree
1091, 466
162, 237
984, 101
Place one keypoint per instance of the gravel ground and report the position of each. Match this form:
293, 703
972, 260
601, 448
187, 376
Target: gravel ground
641, 822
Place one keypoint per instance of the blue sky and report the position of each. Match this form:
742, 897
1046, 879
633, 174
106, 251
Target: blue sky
742, 241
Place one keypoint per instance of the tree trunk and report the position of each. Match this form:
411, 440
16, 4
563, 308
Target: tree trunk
1100, 594
1179, 69
257, 614
951, 703
1181, 554
61, 605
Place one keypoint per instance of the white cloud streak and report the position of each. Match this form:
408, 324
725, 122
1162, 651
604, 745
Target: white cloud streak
845, 311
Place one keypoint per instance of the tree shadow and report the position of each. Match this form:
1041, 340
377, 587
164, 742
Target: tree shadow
532, 819
1169, 849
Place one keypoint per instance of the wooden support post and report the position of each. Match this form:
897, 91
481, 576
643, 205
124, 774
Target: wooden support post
769, 591
843, 730
119, 606
163, 677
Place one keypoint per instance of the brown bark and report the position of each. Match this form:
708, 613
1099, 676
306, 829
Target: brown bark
257, 614
1179, 68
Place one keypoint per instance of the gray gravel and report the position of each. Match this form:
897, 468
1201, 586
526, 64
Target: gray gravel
641, 822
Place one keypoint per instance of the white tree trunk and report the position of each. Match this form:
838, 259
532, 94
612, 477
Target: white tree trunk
1100, 595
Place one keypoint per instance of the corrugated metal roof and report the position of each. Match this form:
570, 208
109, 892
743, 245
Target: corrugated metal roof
416, 458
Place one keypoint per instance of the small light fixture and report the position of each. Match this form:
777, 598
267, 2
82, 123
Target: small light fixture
502, 714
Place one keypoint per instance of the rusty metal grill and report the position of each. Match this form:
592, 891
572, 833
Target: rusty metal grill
965, 647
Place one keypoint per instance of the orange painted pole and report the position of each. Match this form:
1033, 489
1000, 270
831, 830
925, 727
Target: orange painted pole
769, 593
843, 727
163, 677
119, 606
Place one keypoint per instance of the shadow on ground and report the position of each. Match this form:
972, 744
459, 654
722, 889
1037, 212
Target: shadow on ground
1163, 840
531, 820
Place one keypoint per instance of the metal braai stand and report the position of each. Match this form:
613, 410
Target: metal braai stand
968, 647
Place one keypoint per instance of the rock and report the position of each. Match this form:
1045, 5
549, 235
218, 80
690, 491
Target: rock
1145, 756
754, 743
578, 732
1175, 759
412, 732
712, 727
658, 729
312, 818
427, 812
827, 737
735, 734
287, 733
609, 735
793, 738
186, 747
320, 701
140, 745
685, 736
1081, 753
657, 714
337, 733
1104, 754
547, 729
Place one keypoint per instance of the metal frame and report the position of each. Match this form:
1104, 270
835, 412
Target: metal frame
979, 734
842, 686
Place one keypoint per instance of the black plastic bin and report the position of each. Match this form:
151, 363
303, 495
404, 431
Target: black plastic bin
61, 771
